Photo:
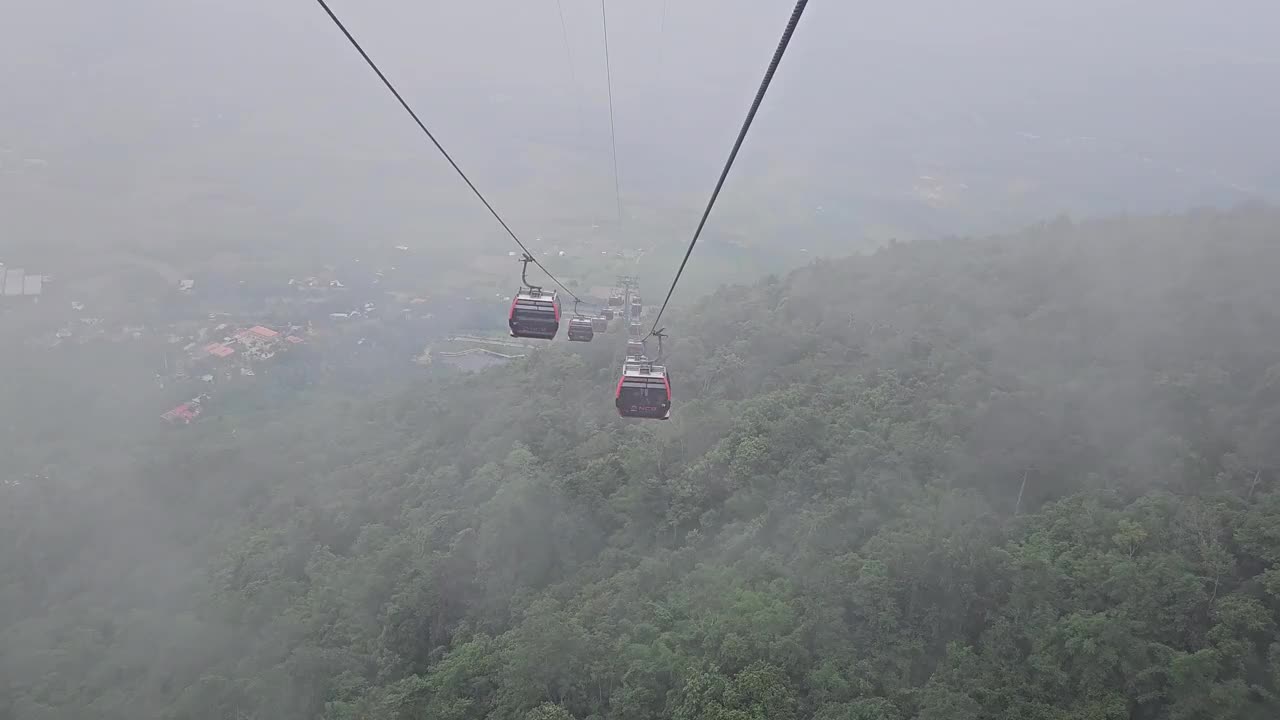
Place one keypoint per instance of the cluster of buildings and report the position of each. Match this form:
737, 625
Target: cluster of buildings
256, 343
238, 350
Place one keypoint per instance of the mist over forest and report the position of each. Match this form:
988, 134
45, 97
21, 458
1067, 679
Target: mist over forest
975, 372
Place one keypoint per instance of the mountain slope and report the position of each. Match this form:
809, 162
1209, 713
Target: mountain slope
1017, 477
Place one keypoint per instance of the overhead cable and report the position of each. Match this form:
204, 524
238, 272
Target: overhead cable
435, 142
573, 74
737, 145
613, 135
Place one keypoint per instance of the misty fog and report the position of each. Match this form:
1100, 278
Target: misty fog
205, 122
974, 374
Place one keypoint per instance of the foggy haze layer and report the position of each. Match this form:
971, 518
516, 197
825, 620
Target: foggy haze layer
865, 458
201, 125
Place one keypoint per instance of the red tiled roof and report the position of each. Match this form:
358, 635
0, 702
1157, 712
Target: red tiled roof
183, 412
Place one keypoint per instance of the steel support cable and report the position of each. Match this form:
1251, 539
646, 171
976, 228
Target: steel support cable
445, 153
737, 145
613, 136
573, 74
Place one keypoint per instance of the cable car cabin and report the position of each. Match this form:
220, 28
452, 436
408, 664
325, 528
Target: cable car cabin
607, 314
636, 329
580, 330
535, 314
635, 348
644, 391
599, 324
615, 301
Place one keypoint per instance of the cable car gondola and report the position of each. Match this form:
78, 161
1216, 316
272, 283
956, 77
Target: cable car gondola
615, 300
635, 349
599, 324
580, 329
535, 313
606, 313
644, 391
635, 330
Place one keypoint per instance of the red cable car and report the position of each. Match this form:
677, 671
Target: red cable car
644, 391
534, 314
580, 329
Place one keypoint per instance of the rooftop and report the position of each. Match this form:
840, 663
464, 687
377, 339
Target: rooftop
185, 413
15, 282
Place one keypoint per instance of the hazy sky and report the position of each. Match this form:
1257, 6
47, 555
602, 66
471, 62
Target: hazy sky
163, 115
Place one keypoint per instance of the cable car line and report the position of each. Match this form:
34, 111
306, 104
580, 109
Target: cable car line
564, 34
613, 136
573, 74
445, 153
737, 145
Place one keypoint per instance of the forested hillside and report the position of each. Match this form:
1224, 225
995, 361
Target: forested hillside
1027, 477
